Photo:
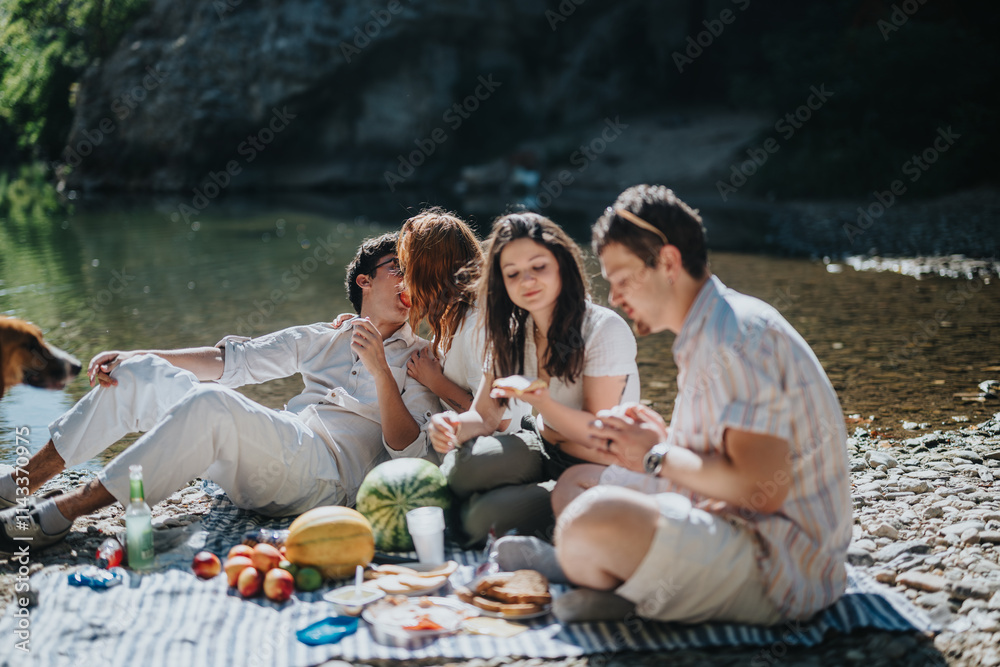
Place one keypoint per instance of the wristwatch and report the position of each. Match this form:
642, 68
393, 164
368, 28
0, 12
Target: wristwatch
653, 462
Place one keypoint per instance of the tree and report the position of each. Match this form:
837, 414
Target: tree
45, 45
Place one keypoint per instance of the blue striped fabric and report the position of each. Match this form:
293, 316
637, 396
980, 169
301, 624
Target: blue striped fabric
170, 618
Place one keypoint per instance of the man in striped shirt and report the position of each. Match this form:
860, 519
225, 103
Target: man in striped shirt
739, 510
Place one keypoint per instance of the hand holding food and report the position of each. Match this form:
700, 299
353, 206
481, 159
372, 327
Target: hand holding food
516, 386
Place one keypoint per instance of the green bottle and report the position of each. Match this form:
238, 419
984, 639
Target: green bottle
138, 524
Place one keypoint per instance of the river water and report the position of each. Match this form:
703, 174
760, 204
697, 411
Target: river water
125, 273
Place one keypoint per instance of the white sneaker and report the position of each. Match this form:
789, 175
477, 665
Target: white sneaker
20, 528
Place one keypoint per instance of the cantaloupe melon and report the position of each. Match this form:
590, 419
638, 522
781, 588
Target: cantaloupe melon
334, 540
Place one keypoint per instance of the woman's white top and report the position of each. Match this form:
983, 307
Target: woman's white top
465, 363
609, 350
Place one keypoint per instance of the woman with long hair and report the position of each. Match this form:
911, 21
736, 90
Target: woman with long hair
539, 322
440, 257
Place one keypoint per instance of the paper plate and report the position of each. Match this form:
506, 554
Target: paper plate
389, 621
397, 588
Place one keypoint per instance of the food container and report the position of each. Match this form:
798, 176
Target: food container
351, 601
390, 618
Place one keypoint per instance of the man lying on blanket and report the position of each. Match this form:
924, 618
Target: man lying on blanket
740, 509
358, 408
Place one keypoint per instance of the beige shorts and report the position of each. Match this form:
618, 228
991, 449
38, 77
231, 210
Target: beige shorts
700, 566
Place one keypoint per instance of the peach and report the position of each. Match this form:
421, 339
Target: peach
266, 557
234, 566
279, 584
240, 550
248, 582
206, 565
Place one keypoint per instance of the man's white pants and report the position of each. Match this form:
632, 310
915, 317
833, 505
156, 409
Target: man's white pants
265, 460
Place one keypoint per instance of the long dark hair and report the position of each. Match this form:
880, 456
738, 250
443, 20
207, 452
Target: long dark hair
441, 256
505, 322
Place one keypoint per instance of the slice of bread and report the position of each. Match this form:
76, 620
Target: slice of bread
525, 587
464, 594
491, 581
515, 610
504, 608
487, 604
519, 384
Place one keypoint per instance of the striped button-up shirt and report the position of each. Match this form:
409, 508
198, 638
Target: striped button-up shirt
742, 366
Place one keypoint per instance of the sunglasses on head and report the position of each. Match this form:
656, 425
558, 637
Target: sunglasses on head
638, 222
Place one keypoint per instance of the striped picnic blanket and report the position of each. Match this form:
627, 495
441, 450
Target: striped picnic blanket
170, 618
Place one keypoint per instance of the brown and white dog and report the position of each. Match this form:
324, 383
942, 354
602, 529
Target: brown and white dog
26, 357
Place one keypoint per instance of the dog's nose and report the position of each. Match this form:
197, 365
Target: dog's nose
74, 366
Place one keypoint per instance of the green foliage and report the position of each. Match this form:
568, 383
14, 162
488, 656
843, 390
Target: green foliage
45, 45
28, 198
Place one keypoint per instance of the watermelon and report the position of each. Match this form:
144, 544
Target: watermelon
394, 488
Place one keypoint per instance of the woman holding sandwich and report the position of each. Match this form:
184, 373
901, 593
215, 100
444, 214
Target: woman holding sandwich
539, 324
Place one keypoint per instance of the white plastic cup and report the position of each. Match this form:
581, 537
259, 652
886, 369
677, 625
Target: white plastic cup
426, 526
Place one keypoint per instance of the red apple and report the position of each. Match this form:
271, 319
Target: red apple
206, 565
234, 566
279, 584
240, 550
266, 557
248, 582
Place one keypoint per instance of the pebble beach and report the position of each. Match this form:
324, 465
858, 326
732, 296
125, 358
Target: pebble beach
926, 523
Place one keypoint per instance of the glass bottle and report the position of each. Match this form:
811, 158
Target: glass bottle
138, 524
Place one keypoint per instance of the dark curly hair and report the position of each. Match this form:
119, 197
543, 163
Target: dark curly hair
368, 256
660, 207
505, 322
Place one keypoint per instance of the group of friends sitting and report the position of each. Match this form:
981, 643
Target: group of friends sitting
738, 510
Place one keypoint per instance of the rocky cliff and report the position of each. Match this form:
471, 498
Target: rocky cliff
300, 93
